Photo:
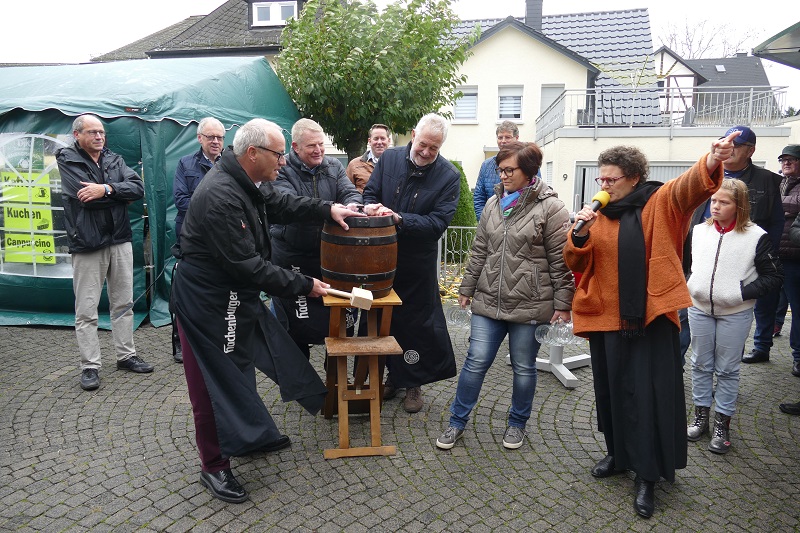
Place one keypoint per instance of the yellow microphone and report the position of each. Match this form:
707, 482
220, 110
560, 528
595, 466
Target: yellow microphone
599, 201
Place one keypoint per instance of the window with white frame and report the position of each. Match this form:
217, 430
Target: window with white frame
466, 107
509, 102
273, 13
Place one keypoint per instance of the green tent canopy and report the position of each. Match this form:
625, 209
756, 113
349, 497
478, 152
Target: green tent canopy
151, 109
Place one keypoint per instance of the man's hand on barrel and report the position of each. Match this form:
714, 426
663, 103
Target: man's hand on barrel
339, 212
377, 210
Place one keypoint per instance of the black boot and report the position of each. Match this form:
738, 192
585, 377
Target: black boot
700, 425
644, 503
721, 438
177, 351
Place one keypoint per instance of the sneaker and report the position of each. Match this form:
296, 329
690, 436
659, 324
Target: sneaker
513, 437
449, 438
136, 364
89, 379
413, 400
776, 332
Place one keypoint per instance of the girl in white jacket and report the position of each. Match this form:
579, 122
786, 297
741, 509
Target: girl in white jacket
733, 263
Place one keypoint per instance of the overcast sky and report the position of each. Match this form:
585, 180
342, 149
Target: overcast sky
75, 30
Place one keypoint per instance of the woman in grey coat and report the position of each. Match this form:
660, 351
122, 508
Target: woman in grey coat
516, 279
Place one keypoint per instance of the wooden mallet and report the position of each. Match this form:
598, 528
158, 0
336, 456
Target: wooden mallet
360, 298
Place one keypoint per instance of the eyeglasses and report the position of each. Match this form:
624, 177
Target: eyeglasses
94, 133
608, 181
219, 138
508, 171
788, 160
279, 154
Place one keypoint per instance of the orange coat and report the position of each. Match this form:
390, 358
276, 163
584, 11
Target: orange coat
665, 223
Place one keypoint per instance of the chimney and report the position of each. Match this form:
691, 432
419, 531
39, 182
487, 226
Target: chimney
533, 14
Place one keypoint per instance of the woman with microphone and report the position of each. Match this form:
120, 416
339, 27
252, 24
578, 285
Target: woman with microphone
626, 304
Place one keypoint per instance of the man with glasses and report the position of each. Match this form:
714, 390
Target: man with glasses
296, 246
97, 187
225, 330
191, 169
789, 252
506, 133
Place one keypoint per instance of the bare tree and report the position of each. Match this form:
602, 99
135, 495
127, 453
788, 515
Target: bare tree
705, 39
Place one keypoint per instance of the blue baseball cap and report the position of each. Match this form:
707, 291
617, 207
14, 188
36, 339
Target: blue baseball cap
745, 137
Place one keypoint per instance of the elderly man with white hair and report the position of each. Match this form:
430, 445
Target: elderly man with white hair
225, 329
191, 169
420, 189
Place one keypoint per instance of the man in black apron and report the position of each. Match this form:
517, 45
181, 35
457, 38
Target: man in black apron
226, 331
420, 189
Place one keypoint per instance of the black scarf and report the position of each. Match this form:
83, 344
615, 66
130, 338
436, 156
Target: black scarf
631, 268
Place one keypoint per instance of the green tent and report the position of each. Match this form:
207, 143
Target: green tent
150, 109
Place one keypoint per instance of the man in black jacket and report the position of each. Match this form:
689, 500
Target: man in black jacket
420, 188
97, 187
766, 211
225, 329
308, 172
190, 171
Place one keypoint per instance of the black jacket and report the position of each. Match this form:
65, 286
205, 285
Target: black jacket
426, 199
329, 182
226, 229
99, 223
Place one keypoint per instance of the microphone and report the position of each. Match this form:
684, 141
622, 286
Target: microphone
599, 201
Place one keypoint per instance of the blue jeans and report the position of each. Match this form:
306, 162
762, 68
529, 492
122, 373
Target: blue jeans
791, 287
485, 338
764, 313
717, 343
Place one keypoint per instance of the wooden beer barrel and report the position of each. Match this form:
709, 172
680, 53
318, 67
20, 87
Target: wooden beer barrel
364, 256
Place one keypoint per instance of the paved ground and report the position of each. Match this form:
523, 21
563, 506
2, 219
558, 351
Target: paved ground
123, 458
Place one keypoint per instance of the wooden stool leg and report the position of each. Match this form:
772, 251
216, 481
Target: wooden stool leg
375, 401
344, 415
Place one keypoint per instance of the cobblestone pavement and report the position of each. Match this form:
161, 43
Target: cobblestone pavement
123, 458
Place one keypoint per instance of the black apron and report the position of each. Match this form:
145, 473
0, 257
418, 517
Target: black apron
232, 333
419, 324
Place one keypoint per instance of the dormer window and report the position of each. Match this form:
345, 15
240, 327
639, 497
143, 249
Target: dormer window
274, 13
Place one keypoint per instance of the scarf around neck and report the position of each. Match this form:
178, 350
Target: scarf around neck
631, 267
510, 200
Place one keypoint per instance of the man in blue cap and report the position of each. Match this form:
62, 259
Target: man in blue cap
766, 211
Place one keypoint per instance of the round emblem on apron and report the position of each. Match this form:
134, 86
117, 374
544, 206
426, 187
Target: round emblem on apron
411, 357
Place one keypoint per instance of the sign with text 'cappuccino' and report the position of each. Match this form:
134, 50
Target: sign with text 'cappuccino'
26, 212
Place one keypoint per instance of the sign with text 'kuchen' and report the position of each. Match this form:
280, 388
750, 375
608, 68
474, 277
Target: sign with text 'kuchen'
28, 218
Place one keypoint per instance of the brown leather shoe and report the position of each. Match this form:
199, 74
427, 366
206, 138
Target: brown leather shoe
413, 400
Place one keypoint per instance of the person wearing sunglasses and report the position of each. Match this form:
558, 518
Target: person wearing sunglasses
626, 303
191, 169
310, 173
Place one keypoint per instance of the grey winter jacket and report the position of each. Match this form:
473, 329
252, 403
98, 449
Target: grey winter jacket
328, 183
516, 270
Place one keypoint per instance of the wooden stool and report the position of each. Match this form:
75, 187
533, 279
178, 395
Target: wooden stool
371, 349
379, 319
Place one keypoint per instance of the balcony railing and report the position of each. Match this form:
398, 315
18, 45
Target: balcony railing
660, 107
